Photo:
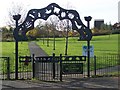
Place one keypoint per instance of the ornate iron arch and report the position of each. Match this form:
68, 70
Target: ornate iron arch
44, 13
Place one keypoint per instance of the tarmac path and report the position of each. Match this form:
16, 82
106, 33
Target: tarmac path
36, 50
101, 83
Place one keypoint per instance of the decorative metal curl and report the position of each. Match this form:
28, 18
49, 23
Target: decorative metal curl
53, 9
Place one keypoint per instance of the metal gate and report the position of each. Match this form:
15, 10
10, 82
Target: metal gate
74, 67
58, 68
47, 68
25, 69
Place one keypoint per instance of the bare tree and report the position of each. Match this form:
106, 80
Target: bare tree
54, 26
66, 26
15, 9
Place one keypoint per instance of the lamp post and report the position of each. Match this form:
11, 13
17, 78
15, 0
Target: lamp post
16, 18
88, 19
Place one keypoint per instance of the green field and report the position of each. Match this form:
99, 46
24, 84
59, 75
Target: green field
8, 49
103, 45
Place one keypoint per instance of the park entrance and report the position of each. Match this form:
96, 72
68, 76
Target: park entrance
51, 67
55, 68
72, 66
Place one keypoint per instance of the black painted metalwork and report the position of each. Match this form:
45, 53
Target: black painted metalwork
42, 67
5, 68
25, 67
47, 68
88, 19
53, 68
16, 18
44, 13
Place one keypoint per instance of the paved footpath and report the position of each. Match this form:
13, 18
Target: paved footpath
101, 83
36, 50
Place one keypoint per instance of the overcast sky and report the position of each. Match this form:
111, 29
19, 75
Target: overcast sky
98, 9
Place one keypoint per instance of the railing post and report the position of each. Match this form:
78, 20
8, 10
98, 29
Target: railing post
53, 65
8, 68
61, 67
33, 65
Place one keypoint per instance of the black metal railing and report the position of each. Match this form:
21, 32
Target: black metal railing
25, 67
54, 68
47, 68
73, 67
58, 68
7, 70
104, 65
4, 68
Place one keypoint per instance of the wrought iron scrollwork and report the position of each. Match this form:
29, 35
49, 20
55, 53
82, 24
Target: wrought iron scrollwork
53, 9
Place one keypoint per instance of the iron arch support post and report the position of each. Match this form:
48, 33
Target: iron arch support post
88, 64
88, 19
16, 18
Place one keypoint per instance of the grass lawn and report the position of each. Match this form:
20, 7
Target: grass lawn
102, 45
105, 46
8, 49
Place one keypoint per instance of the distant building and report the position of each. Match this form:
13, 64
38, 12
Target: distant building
98, 23
119, 11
